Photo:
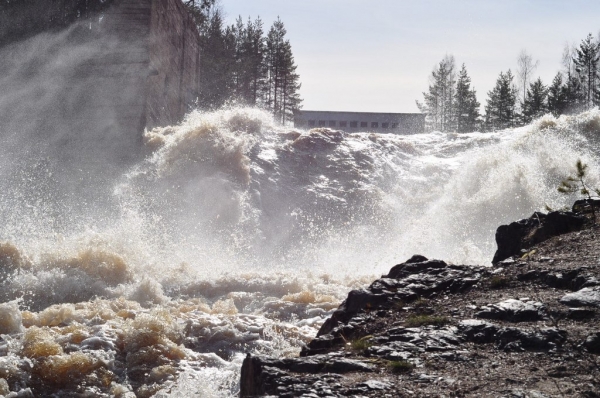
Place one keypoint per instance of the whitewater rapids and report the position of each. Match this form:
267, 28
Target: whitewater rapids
236, 235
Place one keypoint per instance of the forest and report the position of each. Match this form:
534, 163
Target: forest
240, 64
516, 99
243, 65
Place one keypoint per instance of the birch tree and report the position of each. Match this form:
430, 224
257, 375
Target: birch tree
525, 69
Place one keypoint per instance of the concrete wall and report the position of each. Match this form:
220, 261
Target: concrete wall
156, 64
79, 97
173, 83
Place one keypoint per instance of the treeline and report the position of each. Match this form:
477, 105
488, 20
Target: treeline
241, 64
451, 104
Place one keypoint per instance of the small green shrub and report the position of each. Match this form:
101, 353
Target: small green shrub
421, 302
400, 366
423, 306
425, 320
498, 282
361, 344
578, 183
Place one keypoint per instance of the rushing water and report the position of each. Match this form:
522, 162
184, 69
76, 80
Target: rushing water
235, 234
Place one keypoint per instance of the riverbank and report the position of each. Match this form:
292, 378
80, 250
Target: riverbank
526, 327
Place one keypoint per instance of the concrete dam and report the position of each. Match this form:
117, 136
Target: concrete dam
84, 78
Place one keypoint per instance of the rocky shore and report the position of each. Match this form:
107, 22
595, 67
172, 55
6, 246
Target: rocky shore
529, 326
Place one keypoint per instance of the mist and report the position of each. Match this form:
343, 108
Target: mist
64, 145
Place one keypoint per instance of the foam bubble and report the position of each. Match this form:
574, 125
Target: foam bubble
10, 318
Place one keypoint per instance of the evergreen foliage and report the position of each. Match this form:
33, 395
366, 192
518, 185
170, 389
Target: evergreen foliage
240, 64
573, 90
282, 86
574, 95
535, 104
217, 63
500, 111
577, 183
200, 10
466, 105
250, 68
557, 96
586, 65
439, 100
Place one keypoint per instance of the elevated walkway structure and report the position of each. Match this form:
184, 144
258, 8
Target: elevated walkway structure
395, 123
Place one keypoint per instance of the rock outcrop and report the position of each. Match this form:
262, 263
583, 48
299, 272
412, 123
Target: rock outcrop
527, 327
525, 233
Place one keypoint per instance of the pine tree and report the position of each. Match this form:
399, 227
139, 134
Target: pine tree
217, 63
574, 95
238, 63
290, 86
200, 10
254, 54
557, 99
586, 65
535, 104
282, 85
439, 100
500, 109
466, 104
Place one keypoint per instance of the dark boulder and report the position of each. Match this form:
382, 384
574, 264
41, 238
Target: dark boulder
592, 343
513, 311
584, 206
511, 338
523, 234
583, 297
415, 265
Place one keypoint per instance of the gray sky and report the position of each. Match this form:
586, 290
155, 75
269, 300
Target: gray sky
377, 55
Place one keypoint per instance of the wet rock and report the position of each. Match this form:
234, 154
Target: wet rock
584, 206
523, 234
515, 339
513, 311
249, 378
509, 238
517, 393
24, 393
511, 338
579, 314
592, 343
360, 299
313, 364
417, 277
415, 265
375, 385
401, 344
324, 343
584, 297
262, 376
506, 359
573, 279
478, 331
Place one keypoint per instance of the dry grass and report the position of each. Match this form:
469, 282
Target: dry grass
426, 320
400, 366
